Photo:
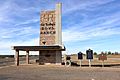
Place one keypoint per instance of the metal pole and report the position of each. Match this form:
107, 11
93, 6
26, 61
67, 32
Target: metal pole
64, 59
89, 62
102, 63
80, 62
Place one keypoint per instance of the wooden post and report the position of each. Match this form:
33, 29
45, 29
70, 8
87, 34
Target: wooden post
17, 57
27, 57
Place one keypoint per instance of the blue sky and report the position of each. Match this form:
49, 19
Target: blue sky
86, 24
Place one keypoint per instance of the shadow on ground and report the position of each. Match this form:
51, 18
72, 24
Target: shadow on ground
106, 65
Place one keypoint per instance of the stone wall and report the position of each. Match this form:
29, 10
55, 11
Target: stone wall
52, 57
47, 57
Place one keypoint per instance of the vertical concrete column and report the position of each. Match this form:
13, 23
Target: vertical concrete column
58, 37
17, 57
40, 58
27, 57
65, 58
58, 57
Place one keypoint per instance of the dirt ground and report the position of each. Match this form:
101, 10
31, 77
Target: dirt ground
38, 72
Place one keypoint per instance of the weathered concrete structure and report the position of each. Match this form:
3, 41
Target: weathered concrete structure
50, 49
50, 34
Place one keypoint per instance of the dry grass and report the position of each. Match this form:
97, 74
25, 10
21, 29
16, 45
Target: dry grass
111, 59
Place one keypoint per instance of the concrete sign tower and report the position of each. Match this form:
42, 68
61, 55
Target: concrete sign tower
51, 35
50, 30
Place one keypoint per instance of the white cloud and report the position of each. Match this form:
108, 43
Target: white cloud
75, 35
92, 23
4, 10
29, 42
106, 26
84, 5
5, 47
18, 32
28, 22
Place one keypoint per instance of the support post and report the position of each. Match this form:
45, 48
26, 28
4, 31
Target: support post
17, 57
103, 63
89, 62
65, 59
27, 57
41, 59
80, 63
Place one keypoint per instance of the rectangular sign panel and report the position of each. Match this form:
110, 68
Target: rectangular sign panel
89, 54
47, 28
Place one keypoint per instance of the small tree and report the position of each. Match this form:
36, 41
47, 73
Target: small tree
109, 53
95, 53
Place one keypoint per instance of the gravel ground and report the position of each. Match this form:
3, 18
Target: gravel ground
37, 72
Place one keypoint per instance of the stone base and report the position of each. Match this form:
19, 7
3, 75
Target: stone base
49, 57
